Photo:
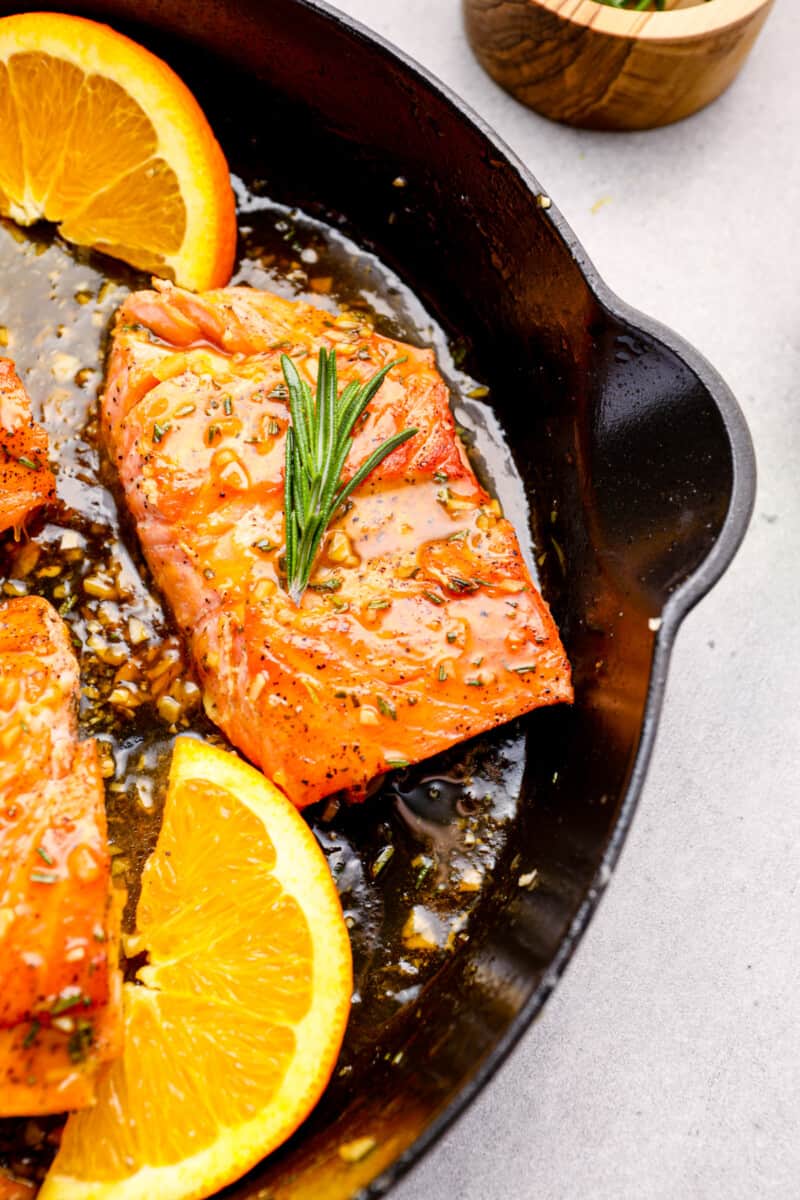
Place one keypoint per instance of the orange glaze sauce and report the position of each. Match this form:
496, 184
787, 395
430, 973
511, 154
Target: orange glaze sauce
410, 864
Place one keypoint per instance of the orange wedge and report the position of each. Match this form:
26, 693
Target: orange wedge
236, 1021
103, 138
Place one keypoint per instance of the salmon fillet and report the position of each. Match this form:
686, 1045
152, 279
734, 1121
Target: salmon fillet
60, 993
15, 1189
421, 626
26, 481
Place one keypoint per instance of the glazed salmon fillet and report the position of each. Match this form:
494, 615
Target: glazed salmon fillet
60, 992
26, 481
15, 1189
421, 626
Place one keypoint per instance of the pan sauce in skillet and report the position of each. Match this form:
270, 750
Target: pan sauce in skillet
410, 863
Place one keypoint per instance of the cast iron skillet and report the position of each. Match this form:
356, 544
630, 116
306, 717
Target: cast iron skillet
636, 460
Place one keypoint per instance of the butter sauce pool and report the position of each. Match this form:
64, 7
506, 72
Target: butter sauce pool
411, 863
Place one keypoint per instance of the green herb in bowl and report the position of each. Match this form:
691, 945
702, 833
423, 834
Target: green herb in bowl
636, 5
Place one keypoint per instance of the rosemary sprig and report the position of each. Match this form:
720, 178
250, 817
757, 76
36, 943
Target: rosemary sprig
317, 444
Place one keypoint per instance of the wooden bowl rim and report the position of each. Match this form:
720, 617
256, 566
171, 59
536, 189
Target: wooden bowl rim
683, 24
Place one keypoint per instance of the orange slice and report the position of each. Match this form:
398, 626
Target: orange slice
236, 1021
103, 138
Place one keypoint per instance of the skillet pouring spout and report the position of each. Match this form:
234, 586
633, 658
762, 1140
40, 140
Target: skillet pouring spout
637, 483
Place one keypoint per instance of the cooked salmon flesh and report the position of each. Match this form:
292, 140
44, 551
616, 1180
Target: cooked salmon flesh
60, 992
26, 481
422, 625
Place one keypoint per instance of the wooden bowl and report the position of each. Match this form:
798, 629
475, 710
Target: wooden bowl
598, 67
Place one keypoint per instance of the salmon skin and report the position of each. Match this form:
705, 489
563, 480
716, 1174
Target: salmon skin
60, 993
421, 626
26, 481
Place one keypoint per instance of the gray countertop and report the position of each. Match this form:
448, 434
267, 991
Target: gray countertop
667, 1064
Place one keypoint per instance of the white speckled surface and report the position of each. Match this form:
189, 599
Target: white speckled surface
667, 1065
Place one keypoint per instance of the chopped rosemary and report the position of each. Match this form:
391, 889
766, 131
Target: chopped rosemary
227, 405
30, 1036
65, 1003
213, 431
318, 442
384, 858
265, 545
442, 673
28, 462
43, 877
424, 870
523, 670
462, 585
327, 585
160, 431
387, 708
45, 857
434, 599
80, 1041
274, 428
378, 604
397, 762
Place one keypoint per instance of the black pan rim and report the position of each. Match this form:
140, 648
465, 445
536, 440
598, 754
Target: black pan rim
680, 603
